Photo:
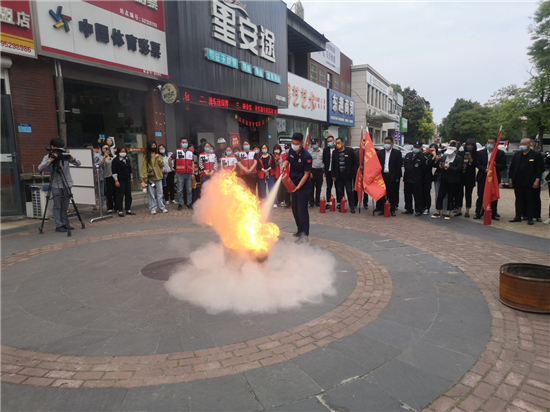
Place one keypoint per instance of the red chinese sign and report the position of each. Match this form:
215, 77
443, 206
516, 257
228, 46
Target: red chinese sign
16, 28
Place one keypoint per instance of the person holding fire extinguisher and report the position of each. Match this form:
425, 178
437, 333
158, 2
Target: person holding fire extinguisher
208, 163
299, 162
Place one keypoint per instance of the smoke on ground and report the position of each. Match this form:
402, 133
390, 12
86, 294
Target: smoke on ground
292, 275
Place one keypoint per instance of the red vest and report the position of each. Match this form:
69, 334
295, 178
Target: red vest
247, 160
276, 167
227, 162
184, 161
208, 160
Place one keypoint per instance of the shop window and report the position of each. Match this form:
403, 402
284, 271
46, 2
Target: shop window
313, 73
329, 80
336, 84
322, 77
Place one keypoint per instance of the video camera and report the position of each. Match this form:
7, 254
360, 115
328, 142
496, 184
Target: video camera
58, 154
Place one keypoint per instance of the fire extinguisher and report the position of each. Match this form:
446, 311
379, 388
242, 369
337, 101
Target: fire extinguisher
343, 205
332, 204
323, 205
289, 184
387, 208
487, 216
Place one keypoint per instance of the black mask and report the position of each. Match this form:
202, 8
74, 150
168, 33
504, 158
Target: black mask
153, 149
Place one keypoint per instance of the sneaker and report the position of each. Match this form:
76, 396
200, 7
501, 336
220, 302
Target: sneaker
164, 210
180, 207
426, 212
121, 214
436, 216
153, 212
458, 214
303, 239
110, 211
466, 215
407, 212
418, 214
60, 229
547, 221
447, 217
282, 204
129, 212
275, 206
190, 207
68, 227
173, 202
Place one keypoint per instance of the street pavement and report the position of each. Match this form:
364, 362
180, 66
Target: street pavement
415, 322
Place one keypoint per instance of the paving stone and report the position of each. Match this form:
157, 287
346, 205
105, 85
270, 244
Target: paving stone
361, 395
130, 343
158, 398
366, 351
394, 333
226, 393
79, 342
307, 405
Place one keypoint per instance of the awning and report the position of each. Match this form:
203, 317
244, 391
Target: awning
302, 38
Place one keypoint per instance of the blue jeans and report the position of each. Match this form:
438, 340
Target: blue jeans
267, 185
185, 179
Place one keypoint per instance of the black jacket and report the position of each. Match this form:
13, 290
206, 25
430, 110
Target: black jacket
414, 167
468, 176
482, 162
396, 161
351, 163
122, 168
326, 158
533, 167
452, 174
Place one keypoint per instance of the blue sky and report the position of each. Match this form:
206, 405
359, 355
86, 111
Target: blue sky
444, 50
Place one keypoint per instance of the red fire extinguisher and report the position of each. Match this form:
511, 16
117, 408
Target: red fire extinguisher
487, 216
289, 184
332, 204
323, 205
343, 205
387, 208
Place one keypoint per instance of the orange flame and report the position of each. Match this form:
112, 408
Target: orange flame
234, 213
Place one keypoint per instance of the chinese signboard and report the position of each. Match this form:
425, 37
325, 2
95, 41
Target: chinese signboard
229, 47
120, 35
305, 99
16, 28
340, 109
400, 99
377, 84
403, 124
330, 58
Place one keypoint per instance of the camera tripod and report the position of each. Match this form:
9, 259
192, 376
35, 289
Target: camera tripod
56, 170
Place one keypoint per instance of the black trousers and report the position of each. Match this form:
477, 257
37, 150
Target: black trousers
450, 190
427, 192
365, 198
479, 201
459, 195
414, 190
468, 190
346, 183
392, 192
538, 203
110, 192
330, 182
124, 192
317, 181
300, 210
525, 201
169, 189
252, 182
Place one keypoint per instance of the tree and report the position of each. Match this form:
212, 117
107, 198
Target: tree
540, 34
414, 107
397, 88
426, 127
466, 120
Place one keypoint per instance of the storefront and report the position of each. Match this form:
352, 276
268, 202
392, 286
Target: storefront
340, 114
228, 62
307, 109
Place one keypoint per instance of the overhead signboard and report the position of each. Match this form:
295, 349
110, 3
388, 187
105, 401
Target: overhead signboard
377, 83
340, 109
330, 58
400, 99
16, 35
233, 48
306, 99
403, 124
120, 35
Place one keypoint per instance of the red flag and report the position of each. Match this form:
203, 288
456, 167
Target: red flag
359, 177
492, 192
373, 182
306, 144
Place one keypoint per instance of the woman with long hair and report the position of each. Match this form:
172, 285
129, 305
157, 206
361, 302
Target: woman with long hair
151, 175
467, 178
110, 141
105, 161
167, 176
266, 165
122, 175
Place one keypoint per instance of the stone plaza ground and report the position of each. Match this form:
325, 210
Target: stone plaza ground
415, 323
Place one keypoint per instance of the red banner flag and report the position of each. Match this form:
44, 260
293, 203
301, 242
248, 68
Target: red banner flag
359, 177
373, 182
306, 144
492, 192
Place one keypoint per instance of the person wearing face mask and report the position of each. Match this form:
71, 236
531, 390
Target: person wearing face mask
482, 163
122, 174
316, 173
248, 167
105, 162
279, 156
432, 157
167, 176
345, 168
391, 161
151, 177
208, 163
451, 168
228, 162
183, 161
414, 163
525, 173
467, 177
299, 161
538, 202
327, 166
266, 165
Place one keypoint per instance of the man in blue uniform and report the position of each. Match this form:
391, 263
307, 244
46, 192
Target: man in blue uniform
300, 163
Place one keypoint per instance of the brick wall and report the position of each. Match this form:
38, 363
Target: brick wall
154, 113
33, 100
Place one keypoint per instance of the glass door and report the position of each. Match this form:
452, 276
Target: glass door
10, 192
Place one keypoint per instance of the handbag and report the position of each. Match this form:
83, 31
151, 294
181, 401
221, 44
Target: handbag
151, 172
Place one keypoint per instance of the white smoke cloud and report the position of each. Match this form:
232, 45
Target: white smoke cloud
292, 275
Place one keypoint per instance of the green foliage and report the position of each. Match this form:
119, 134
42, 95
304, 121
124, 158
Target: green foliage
397, 88
414, 107
426, 127
466, 120
540, 34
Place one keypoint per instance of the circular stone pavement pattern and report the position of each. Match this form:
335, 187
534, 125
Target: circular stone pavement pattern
78, 314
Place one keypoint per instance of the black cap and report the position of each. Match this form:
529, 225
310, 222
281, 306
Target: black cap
298, 136
417, 144
314, 141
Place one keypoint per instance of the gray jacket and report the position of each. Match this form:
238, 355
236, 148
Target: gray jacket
57, 182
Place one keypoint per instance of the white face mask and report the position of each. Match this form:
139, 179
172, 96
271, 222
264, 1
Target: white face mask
123, 154
276, 151
451, 150
296, 147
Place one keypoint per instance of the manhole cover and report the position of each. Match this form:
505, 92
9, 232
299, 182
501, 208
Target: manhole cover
162, 269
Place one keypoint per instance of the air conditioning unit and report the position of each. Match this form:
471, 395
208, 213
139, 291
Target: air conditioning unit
38, 196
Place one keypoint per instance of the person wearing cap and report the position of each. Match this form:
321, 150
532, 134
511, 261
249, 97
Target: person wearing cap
414, 164
300, 163
316, 174
220, 149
